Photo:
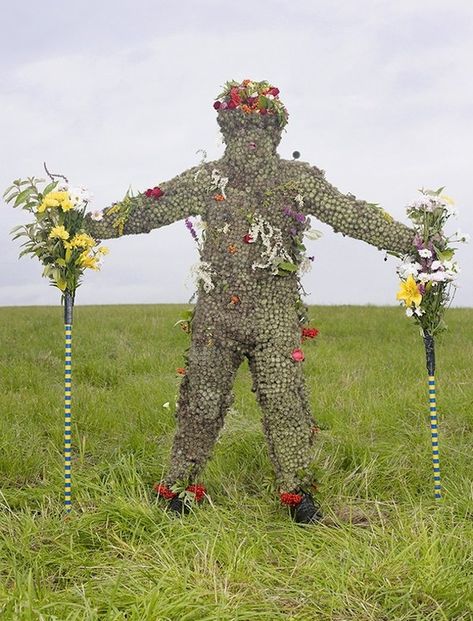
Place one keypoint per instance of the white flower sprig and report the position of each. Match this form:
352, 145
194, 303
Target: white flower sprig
218, 182
428, 273
203, 272
271, 237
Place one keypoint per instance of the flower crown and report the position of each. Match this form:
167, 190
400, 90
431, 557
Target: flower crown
252, 98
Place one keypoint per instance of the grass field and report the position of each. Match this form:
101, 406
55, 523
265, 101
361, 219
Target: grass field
385, 552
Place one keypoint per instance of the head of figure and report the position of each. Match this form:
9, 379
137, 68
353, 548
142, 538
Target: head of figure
251, 118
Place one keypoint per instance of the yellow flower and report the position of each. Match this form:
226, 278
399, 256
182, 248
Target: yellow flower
82, 240
103, 250
66, 205
56, 199
46, 203
409, 292
58, 232
447, 199
87, 260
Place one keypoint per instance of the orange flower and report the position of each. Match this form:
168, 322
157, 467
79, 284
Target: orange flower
232, 248
219, 197
246, 82
246, 109
180, 371
234, 299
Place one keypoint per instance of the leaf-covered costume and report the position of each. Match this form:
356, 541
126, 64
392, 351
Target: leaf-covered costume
248, 302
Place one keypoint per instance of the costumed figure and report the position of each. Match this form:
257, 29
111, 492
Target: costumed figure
255, 208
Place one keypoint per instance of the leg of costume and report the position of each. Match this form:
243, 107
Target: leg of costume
204, 399
288, 423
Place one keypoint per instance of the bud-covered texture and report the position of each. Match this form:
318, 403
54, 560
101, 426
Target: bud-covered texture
255, 209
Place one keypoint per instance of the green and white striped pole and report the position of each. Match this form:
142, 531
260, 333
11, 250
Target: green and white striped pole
430, 360
68, 306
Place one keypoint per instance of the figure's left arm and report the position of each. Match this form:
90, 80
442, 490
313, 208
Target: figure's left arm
348, 215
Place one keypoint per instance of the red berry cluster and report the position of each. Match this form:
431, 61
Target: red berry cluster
290, 499
309, 333
165, 492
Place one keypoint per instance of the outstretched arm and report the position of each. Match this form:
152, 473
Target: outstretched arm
347, 215
184, 195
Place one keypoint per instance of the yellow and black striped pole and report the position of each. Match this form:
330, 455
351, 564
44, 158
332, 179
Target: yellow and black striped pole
68, 304
430, 359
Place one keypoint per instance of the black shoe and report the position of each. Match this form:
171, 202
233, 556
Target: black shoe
307, 511
178, 506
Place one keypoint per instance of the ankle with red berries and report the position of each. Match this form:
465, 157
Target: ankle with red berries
193, 492
290, 498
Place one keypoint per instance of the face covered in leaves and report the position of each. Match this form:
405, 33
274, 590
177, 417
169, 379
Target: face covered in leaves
250, 139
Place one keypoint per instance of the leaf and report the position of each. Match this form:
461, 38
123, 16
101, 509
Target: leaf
445, 255
16, 228
47, 270
22, 196
61, 283
8, 199
287, 266
49, 188
186, 315
263, 101
11, 188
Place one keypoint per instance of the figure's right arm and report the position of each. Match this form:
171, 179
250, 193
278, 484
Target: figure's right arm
184, 195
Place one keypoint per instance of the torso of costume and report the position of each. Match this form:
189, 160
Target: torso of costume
246, 234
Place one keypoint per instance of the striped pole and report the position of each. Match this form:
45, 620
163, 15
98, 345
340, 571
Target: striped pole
430, 360
435, 437
67, 402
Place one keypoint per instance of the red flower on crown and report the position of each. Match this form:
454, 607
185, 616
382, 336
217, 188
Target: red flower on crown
154, 192
252, 98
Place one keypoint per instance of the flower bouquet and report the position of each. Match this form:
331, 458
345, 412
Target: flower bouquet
252, 98
427, 285
57, 237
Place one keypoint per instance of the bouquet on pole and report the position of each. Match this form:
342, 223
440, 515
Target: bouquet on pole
56, 236
427, 287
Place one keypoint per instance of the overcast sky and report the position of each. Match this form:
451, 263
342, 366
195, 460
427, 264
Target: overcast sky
118, 93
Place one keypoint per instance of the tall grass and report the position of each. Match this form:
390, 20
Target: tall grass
386, 551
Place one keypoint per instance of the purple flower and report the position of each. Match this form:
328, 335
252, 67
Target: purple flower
418, 242
287, 211
300, 217
293, 231
191, 228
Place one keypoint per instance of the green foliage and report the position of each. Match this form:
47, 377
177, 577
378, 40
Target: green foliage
122, 211
286, 266
385, 552
50, 236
